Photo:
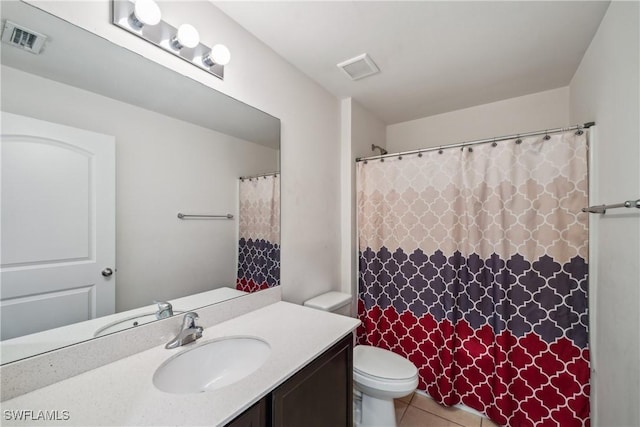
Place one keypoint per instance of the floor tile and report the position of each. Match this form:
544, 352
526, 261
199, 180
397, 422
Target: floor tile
401, 407
414, 417
455, 415
486, 422
407, 398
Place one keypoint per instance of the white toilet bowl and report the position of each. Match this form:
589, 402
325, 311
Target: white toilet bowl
381, 376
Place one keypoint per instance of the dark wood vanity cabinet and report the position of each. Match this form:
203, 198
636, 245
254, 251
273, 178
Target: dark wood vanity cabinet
319, 395
256, 416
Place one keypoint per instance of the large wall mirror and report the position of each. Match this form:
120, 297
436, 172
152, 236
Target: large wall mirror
101, 150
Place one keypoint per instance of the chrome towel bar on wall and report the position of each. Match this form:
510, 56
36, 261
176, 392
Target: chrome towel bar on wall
185, 216
601, 209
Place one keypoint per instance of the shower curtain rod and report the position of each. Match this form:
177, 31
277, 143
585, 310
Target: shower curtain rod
242, 178
479, 141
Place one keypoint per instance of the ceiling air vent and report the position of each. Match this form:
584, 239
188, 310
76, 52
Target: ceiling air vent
359, 67
22, 37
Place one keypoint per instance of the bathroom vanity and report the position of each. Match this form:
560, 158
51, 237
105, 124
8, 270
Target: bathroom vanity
320, 394
305, 380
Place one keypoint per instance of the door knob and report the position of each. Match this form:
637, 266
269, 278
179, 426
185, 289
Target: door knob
107, 272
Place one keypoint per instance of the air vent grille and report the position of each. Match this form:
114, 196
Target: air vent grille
22, 38
359, 67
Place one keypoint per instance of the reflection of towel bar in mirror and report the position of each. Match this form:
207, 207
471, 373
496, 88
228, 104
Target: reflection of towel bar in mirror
185, 216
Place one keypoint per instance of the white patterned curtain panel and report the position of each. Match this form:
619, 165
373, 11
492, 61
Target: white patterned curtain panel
259, 233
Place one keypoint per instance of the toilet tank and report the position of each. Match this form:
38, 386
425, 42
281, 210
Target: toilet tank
335, 302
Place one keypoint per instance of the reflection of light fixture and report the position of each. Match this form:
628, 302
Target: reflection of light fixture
144, 19
219, 55
145, 12
187, 36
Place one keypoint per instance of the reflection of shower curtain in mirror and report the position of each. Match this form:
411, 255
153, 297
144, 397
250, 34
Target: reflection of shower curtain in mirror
259, 234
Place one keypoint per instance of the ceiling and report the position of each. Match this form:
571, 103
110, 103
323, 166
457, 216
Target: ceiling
434, 57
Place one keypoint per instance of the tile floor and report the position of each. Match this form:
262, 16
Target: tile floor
417, 410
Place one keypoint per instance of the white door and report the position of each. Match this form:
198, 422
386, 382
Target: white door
57, 225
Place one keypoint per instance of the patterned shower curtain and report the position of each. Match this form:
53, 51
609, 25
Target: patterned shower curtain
259, 233
473, 265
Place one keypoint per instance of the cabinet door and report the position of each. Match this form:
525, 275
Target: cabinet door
321, 394
252, 417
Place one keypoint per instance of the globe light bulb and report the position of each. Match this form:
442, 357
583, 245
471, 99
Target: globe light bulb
145, 12
187, 36
219, 55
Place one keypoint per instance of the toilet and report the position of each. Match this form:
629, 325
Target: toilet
379, 375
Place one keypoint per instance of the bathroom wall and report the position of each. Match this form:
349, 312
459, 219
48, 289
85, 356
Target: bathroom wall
310, 119
542, 110
360, 129
606, 88
163, 166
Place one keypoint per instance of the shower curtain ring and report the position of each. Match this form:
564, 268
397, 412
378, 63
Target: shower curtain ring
546, 137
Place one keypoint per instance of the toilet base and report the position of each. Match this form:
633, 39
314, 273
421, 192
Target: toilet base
377, 412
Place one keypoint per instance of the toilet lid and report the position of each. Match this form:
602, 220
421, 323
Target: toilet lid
382, 363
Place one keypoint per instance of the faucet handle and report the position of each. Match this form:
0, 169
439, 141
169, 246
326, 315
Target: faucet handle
165, 309
199, 331
189, 333
190, 320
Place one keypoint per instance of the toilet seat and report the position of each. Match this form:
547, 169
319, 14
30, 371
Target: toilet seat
381, 386
383, 364
379, 370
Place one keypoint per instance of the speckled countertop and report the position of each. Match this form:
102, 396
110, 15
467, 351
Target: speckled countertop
122, 393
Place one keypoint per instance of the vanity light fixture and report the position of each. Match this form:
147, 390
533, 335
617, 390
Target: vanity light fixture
143, 18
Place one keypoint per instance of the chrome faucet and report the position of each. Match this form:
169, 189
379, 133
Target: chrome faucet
164, 310
189, 332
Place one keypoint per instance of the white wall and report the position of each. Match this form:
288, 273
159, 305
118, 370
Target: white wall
163, 166
310, 119
360, 129
606, 89
543, 110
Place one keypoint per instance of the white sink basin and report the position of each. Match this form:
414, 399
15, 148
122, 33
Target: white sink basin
129, 322
211, 365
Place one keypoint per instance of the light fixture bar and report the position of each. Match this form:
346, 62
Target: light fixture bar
162, 35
